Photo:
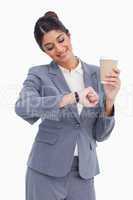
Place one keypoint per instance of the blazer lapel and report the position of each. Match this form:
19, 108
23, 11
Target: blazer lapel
90, 80
90, 76
59, 81
58, 78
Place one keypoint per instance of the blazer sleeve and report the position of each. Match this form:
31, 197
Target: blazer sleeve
31, 105
103, 125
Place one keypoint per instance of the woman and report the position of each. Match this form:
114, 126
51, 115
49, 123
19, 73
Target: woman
75, 112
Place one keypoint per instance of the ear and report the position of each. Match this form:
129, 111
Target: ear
42, 49
69, 35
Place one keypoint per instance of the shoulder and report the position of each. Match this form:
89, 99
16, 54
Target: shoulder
36, 74
38, 69
94, 69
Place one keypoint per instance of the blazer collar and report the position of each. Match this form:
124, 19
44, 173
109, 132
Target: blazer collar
89, 76
59, 80
57, 77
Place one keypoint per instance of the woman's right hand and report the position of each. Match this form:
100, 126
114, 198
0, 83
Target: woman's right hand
88, 97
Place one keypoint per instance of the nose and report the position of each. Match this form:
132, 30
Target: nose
59, 48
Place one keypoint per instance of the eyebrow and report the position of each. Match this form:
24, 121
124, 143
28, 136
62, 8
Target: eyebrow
49, 43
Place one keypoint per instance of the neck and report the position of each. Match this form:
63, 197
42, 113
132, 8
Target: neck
71, 64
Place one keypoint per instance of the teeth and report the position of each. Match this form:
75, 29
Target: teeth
62, 55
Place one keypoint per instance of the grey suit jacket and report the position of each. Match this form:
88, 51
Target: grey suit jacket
53, 148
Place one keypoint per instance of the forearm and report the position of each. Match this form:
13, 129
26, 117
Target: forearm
105, 121
32, 107
104, 125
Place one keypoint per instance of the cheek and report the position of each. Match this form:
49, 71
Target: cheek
51, 54
70, 45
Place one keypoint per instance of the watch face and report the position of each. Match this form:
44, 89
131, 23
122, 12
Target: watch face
76, 97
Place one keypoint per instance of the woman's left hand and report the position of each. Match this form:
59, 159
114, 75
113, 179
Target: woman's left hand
111, 87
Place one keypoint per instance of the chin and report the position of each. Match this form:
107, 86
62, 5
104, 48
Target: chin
64, 60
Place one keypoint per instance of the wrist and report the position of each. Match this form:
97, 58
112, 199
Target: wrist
67, 99
71, 98
109, 102
109, 107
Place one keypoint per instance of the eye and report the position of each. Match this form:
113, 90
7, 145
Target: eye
49, 49
61, 39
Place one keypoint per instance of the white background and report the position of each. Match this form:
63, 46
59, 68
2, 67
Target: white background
98, 28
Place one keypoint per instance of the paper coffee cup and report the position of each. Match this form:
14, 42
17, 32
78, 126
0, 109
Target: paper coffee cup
106, 66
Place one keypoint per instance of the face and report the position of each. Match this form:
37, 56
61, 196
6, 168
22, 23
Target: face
57, 45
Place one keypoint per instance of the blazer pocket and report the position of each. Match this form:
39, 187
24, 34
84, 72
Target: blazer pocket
50, 124
47, 138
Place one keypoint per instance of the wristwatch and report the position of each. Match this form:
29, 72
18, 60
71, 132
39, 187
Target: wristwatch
76, 96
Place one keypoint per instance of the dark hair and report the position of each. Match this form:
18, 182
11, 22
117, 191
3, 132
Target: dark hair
46, 23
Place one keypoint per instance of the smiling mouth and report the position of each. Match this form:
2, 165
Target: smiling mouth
62, 55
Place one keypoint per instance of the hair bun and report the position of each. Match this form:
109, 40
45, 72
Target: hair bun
51, 14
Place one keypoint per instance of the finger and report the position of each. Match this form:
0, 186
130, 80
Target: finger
115, 80
112, 75
92, 91
93, 104
113, 84
111, 79
92, 95
92, 99
116, 70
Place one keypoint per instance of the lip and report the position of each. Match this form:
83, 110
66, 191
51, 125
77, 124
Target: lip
63, 55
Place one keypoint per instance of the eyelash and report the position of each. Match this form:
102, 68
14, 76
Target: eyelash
60, 41
49, 49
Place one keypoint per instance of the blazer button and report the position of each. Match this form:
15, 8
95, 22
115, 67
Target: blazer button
77, 125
